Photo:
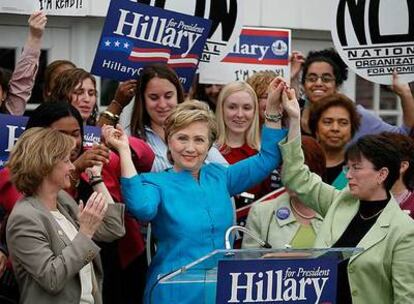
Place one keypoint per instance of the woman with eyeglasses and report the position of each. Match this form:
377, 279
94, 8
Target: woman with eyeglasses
322, 75
363, 215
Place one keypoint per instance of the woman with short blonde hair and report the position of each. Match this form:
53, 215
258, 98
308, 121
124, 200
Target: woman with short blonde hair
50, 238
189, 205
188, 112
30, 166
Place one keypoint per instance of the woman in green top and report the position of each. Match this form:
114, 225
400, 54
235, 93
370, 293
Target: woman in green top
363, 215
285, 221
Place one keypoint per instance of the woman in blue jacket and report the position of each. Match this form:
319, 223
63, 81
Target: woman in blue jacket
189, 205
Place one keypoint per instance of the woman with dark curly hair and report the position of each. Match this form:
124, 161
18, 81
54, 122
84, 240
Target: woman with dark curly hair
323, 74
333, 121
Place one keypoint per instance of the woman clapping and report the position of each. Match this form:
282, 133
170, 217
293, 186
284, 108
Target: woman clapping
50, 238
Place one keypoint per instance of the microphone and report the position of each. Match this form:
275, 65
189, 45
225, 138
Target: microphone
262, 243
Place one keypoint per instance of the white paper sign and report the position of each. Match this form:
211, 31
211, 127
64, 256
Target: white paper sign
51, 7
376, 37
256, 49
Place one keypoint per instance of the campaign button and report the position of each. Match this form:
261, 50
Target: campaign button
283, 213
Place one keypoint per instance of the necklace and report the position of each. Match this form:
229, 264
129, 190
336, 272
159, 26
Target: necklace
366, 218
307, 217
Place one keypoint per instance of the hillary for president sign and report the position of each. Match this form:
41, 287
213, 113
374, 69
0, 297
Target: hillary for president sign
135, 35
256, 49
12, 126
226, 17
273, 281
376, 37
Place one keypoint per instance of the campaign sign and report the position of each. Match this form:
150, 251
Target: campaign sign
92, 135
273, 281
226, 17
135, 35
375, 38
51, 7
11, 127
257, 49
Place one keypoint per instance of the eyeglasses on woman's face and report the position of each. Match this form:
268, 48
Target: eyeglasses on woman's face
325, 78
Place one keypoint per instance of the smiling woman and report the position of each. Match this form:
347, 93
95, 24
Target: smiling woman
77, 87
237, 115
189, 205
323, 74
363, 215
50, 238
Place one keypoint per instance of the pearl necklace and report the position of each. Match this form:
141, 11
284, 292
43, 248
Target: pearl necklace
307, 217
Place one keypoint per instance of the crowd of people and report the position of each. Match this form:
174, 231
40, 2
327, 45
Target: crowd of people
191, 166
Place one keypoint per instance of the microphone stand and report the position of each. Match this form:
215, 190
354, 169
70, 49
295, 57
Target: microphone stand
261, 242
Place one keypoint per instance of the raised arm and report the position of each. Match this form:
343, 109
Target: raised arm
407, 101
141, 198
295, 174
296, 61
123, 96
117, 138
24, 74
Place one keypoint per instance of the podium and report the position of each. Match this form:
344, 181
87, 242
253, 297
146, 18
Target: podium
276, 275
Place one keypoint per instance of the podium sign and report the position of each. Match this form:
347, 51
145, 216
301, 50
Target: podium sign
277, 281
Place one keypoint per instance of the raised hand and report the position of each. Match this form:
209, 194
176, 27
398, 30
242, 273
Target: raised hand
125, 92
296, 61
290, 103
95, 156
398, 87
37, 23
274, 98
92, 214
115, 137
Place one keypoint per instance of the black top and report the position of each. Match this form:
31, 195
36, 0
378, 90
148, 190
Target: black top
333, 172
367, 215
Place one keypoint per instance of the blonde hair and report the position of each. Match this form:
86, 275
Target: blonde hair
35, 155
252, 135
186, 113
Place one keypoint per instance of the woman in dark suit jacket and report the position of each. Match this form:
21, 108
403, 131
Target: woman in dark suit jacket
50, 238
